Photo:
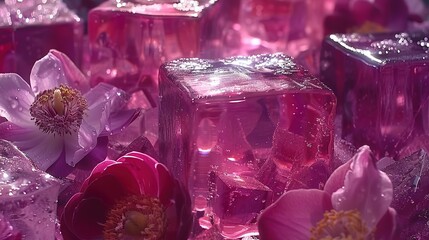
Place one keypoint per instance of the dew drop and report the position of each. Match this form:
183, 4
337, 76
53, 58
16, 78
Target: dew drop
14, 103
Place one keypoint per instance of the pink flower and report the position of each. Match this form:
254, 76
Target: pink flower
58, 117
353, 205
134, 197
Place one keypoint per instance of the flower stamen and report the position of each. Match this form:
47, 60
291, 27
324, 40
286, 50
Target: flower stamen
58, 102
136, 217
340, 225
59, 110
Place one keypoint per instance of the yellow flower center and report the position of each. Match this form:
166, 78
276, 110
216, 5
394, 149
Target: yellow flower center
340, 225
59, 110
136, 217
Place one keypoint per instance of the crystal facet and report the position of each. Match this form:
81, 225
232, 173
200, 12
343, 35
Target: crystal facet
410, 179
28, 197
381, 83
29, 29
233, 117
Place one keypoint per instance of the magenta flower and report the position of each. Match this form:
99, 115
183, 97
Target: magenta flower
134, 197
59, 118
353, 205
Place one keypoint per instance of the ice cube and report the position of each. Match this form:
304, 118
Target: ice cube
29, 29
28, 197
237, 200
382, 87
228, 116
410, 180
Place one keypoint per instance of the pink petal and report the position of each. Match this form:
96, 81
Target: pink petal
16, 98
166, 184
23, 136
76, 79
69, 209
97, 172
110, 189
366, 189
78, 145
120, 120
386, 228
336, 180
293, 215
117, 98
56, 69
123, 176
100, 100
144, 173
88, 218
43, 149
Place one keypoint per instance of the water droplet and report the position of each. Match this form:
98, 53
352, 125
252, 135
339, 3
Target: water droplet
14, 103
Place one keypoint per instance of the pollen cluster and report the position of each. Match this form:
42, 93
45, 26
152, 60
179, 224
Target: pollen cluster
340, 225
59, 111
136, 217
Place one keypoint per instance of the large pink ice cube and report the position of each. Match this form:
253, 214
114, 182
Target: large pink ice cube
381, 82
29, 29
233, 115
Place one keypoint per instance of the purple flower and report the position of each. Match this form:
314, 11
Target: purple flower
59, 118
353, 205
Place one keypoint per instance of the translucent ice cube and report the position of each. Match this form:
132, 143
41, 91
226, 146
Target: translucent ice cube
231, 115
382, 87
237, 200
28, 197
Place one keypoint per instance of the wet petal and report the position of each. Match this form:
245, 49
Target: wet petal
74, 76
120, 120
78, 145
116, 97
22, 136
366, 189
336, 180
98, 108
16, 98
293, 215
56, 69
43, 149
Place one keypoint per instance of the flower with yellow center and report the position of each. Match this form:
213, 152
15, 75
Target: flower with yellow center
136, 217
354, 205
56, 120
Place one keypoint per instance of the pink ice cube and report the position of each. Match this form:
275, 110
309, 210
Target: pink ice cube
381, 82
233, 115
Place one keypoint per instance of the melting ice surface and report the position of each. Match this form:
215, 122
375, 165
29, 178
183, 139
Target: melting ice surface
28, 197
240, 131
